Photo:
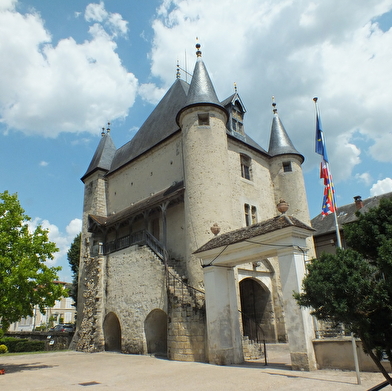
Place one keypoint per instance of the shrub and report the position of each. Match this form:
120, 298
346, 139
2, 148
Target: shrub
3, 349
30, 346
11, 342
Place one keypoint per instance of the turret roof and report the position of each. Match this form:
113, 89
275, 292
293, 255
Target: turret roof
280, 143
201, 90
103, 155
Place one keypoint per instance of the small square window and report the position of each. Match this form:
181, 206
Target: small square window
204, 119
287, 167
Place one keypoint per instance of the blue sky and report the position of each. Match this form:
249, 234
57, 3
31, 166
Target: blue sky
69, 67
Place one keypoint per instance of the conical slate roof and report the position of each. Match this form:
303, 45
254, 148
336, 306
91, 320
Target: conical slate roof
201, 89
280, 143
103, 156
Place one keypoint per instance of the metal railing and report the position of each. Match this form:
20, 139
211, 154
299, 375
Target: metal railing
136, 238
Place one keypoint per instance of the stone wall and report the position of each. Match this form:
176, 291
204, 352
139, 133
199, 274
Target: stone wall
337, 353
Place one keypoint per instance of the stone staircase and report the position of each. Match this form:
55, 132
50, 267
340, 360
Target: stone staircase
186, 320
252, 350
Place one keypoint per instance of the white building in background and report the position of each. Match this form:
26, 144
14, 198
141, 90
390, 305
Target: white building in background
63, 311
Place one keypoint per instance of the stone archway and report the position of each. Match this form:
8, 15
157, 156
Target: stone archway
112, 332
256, 311
155, 328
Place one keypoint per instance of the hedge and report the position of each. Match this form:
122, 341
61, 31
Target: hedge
16, 345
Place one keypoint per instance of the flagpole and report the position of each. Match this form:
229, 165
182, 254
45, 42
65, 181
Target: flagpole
339, 242
337, 230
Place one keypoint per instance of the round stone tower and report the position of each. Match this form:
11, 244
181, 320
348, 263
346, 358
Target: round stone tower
206, 172
287, 176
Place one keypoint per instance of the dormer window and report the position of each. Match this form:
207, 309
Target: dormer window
203, 119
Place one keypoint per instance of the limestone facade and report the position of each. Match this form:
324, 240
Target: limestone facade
149, 205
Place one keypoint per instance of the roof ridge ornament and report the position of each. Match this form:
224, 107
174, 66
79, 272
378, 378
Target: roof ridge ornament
275, 110
178, 74
198, 52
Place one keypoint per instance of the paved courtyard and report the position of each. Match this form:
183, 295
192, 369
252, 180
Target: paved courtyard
113, 371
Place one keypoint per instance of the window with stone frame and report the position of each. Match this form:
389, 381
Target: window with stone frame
250, 214
246, 167
287, 167
203, 119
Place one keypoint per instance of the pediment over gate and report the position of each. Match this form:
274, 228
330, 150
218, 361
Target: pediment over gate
260, 240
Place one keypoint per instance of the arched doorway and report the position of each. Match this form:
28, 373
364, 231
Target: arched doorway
112, 332
257, 312
155, 328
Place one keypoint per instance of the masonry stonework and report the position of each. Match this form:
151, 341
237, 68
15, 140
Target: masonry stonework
149, 207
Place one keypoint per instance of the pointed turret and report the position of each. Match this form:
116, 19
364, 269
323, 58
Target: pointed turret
203, 121
280, 143
201, 91
103, 155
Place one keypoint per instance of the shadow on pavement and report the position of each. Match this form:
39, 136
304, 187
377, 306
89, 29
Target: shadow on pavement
13, 368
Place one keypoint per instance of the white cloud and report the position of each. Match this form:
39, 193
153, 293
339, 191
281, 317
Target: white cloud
295, 51
381, 187
96, 12
74, 228
114, 21
365, 178
151, 93
63, 241
43, 163
7, 4
69, 87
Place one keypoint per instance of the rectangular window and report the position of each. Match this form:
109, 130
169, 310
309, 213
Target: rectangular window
287, 167
204, 119
247, 215
254, 215
245, 167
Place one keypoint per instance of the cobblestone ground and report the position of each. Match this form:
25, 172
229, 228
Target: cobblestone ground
114, 371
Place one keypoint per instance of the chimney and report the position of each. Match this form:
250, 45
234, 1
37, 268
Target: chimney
358, 202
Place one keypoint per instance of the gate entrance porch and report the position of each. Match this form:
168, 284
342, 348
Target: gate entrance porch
283, 237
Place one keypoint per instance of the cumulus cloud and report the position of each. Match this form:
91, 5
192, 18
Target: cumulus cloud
295, 51
151, 93
63, 240
382, 186
43, 163
113, 21
365, 178
68, 87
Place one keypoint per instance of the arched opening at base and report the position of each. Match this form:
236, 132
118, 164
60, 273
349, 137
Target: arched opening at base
112, 333
155, 328
257, 311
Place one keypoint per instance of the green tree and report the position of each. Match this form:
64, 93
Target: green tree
354, 287
25, 278
73, 256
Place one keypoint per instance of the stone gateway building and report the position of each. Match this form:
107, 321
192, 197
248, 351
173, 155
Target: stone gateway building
184, 252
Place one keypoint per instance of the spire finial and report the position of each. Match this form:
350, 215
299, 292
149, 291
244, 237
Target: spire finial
178, 75
103, 132
198, 52
275, 110
108, 128
235, 87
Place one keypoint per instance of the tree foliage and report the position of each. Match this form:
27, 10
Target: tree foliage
73, 256
25, 278
354, 287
